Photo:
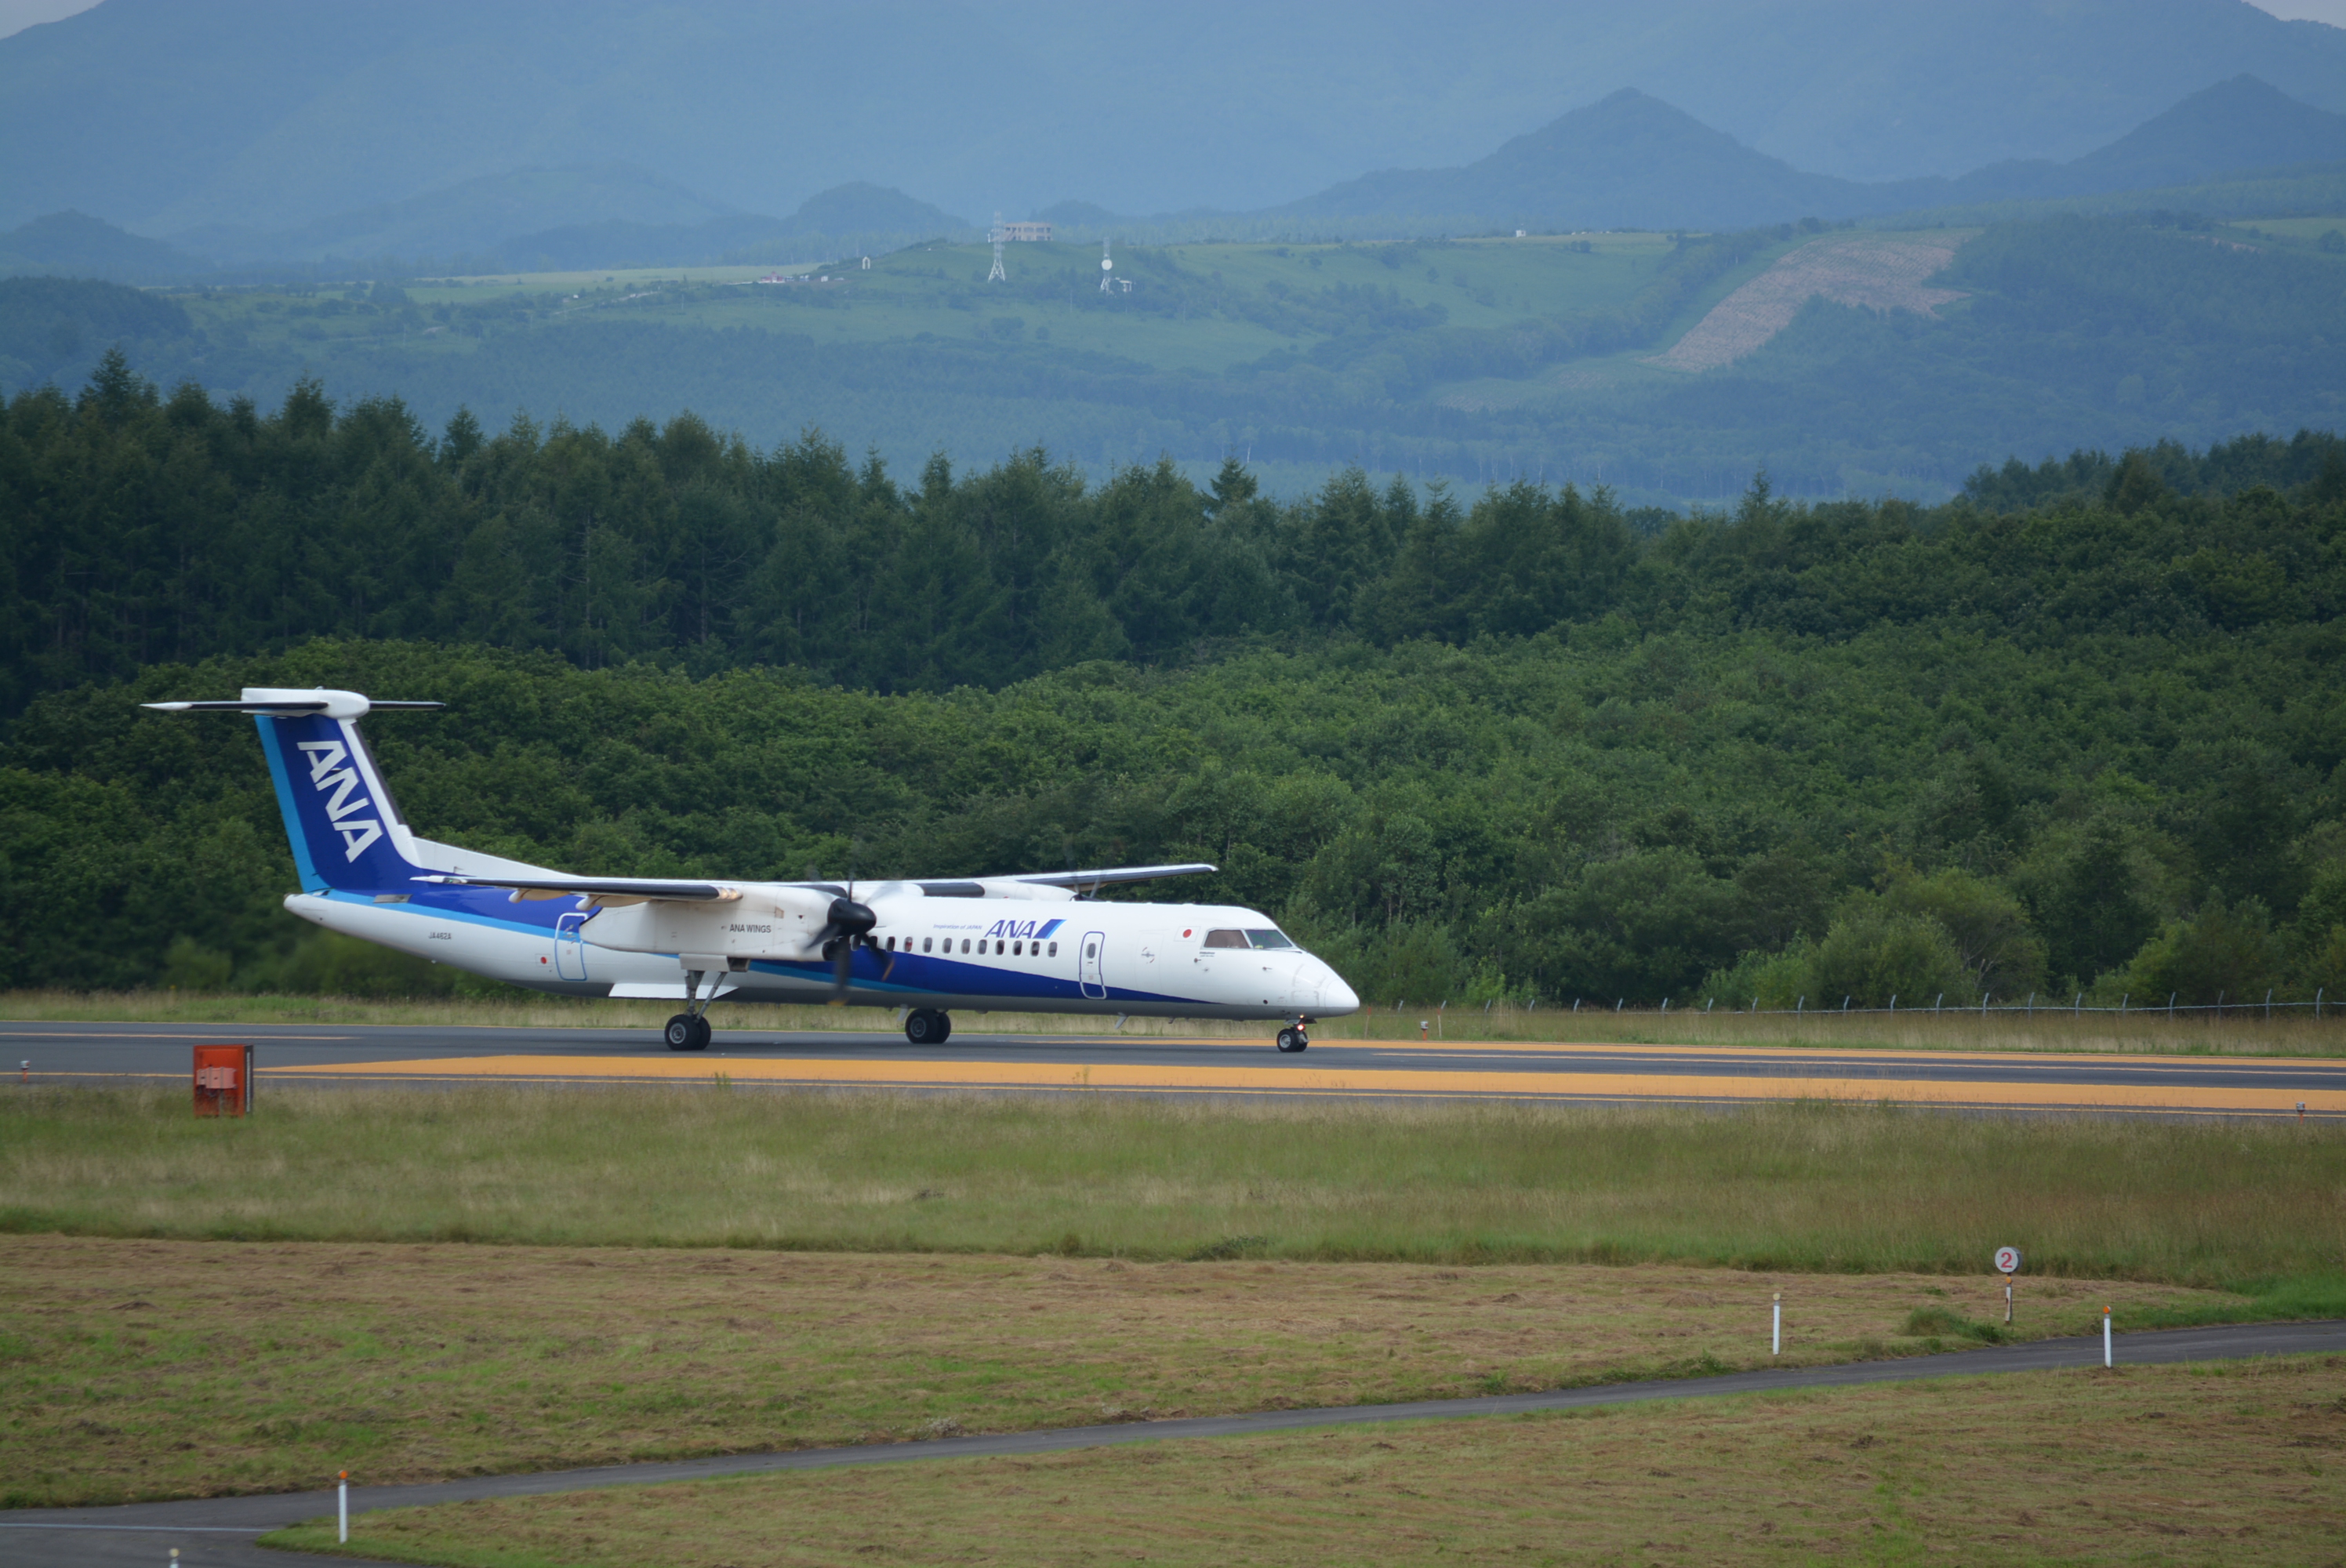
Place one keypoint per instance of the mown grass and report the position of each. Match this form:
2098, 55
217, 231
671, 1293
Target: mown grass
2236, 1463
1828, 1188
2047, 1030
139, 1369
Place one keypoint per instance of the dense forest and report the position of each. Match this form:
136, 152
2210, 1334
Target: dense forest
2080, 729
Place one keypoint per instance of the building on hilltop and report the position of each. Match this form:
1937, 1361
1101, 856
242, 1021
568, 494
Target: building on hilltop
1026, 231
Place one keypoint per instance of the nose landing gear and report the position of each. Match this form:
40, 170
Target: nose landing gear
1293, 1037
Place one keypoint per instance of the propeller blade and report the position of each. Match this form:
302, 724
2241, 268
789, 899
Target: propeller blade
841, 969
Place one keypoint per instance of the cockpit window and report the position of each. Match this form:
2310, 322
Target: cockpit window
1225, 939
1268, 938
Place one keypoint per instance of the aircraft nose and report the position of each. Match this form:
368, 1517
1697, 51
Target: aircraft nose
1336, 996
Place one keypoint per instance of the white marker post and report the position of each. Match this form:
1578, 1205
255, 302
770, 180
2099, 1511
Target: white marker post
2106, 1338
342, 1509
1776, 1337
2007, 1263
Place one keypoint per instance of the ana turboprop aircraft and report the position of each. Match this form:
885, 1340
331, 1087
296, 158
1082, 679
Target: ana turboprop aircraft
1028, 943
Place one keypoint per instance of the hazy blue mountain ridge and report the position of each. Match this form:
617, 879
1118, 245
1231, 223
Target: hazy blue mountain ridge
75, 244
1632, 162
468, 217
167, 115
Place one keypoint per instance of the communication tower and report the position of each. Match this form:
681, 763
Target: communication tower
997, 234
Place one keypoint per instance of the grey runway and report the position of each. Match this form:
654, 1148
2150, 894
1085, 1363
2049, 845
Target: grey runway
1335, 1065
219, 1530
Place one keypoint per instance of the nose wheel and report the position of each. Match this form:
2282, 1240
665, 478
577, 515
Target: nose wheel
1293, 1038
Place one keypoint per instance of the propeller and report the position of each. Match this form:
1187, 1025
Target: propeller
848, 928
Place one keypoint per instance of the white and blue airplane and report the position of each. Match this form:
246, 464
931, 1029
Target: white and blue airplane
1024, 944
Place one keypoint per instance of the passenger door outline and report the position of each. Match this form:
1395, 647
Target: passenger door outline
1092, 977
570, 946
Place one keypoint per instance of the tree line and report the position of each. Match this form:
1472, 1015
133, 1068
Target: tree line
1534, 746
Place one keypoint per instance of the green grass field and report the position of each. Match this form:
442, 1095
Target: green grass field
2239, 1206
427, 1283
1198, 308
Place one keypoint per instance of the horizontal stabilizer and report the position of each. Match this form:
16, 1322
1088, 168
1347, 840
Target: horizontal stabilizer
609, 890
293, 701
1113, 875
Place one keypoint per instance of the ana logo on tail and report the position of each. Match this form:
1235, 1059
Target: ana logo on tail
326, 757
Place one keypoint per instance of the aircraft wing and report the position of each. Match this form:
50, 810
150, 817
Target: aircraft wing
606, 890
1113, 875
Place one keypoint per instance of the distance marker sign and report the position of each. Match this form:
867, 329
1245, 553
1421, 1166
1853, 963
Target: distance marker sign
2007, 1260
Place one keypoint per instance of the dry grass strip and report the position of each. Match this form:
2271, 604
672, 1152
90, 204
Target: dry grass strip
2237, 1464
135, 1369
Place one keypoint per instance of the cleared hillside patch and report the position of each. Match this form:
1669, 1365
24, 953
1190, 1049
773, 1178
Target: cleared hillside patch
1873, 272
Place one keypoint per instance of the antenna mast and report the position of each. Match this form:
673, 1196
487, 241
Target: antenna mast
997, 234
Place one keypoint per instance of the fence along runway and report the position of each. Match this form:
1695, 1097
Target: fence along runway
361, 1056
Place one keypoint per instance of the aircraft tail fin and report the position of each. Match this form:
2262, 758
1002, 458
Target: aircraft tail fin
345, 827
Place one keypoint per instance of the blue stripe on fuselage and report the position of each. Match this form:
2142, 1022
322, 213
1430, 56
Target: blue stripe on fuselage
919, 975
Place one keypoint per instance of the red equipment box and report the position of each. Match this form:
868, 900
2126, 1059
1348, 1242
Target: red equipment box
223, 1080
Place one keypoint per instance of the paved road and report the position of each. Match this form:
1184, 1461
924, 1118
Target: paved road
1614, 1073
219, 1530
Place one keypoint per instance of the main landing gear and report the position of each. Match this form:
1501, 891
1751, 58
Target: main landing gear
1293, 1038
927, 1026
689, 1030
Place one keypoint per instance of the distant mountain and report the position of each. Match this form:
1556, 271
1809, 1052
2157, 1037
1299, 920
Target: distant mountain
75, 245
861, 207
472, 217
165, 116
1632, 162
2241, 123
1628, 162
853, 217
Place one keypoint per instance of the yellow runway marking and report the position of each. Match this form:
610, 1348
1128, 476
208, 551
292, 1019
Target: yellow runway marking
2037, 1059
1371, 1082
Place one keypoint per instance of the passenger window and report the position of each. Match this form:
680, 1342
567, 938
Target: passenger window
1055, 950
964, 944
892, 944
997, 948
1017, 950
1091, 950
927, 942
1225, 939
1268, 938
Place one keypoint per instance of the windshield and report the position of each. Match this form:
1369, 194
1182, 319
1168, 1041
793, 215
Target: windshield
1268, 938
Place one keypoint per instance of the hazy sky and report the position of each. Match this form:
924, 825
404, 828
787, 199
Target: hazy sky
18, 15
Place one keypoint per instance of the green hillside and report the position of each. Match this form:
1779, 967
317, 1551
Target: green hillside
1471, 358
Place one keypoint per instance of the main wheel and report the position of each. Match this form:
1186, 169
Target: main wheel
701, 1033
683, 1032
924, 1027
